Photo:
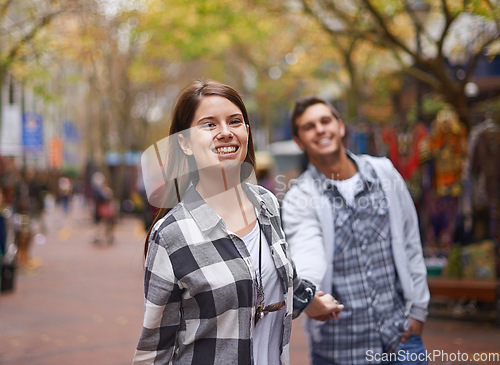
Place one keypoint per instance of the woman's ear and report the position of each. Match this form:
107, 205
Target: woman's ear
184, 143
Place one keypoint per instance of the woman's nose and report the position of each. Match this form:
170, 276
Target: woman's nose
223, 131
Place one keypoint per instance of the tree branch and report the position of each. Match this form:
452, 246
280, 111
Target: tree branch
4, 8
475, 59
446, 11
423, 76
386, 32
449, 19
44, 21
350, 29
491, 5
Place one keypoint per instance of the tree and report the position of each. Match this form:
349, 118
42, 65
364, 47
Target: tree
237, 42
21, 23
393, 25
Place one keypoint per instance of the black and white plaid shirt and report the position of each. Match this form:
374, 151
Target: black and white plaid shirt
199, 285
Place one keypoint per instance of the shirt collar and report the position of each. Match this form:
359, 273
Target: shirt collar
366, 172
207, 219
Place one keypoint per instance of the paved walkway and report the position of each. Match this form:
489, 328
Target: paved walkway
83, 304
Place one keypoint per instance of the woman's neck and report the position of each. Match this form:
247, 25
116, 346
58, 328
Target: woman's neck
232, 205
216, 180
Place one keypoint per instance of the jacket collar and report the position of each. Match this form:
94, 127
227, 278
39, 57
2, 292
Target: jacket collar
366, 171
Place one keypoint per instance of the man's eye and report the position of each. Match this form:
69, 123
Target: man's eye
326, 121
236, 121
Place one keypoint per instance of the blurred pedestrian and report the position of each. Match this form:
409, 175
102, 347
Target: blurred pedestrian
38, 189
22, 221
65, 189
105, 210
219, 287
353, 230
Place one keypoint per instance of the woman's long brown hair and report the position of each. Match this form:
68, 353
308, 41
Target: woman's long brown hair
182, 117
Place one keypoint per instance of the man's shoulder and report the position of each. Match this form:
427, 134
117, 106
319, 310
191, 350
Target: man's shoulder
377, 160
305, 184
382, 165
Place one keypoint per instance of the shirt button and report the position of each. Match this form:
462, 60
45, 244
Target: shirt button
369, 273
363, 247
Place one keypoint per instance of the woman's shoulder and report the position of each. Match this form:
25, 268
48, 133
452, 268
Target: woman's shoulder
264, 194
168, 229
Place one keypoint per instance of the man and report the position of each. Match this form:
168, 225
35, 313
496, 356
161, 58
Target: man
353, 231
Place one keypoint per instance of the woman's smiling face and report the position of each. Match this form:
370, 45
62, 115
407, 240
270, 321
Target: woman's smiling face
218, 133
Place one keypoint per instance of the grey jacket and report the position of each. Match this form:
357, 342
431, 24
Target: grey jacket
308, 224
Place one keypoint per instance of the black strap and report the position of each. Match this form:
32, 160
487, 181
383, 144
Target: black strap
260, 256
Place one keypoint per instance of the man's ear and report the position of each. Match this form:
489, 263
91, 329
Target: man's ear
299, 143
341, 128
184, 143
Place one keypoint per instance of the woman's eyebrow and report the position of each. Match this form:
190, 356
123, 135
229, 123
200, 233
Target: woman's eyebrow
210, 117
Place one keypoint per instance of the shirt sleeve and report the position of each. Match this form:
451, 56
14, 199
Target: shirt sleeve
304, 236
413, 250
303, 289
162, 303
302, 295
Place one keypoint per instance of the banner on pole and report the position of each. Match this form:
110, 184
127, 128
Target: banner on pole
32, 132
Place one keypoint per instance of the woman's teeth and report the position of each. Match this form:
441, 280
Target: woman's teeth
224, 150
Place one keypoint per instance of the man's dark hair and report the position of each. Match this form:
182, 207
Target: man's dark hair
301, 104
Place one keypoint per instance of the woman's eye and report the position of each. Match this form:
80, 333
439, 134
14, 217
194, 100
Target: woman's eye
208, 125
236, 121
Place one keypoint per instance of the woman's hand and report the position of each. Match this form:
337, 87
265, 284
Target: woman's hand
323, 307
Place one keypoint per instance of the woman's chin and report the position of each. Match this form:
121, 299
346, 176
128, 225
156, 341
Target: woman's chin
231, 164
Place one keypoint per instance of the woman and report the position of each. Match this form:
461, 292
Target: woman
219, 287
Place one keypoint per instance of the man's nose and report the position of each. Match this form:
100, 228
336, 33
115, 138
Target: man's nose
319, 128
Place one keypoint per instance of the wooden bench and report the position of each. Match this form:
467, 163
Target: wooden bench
478, 290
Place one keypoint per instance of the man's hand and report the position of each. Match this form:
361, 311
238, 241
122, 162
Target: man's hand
323, 307
415, 327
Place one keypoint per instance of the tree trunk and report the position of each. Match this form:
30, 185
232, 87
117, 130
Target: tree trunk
453, 91
353, 93
3, 73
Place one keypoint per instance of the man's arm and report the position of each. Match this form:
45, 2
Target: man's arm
413, 251
304, 236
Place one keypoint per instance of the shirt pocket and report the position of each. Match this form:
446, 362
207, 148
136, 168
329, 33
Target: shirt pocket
340, 218
379, 223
